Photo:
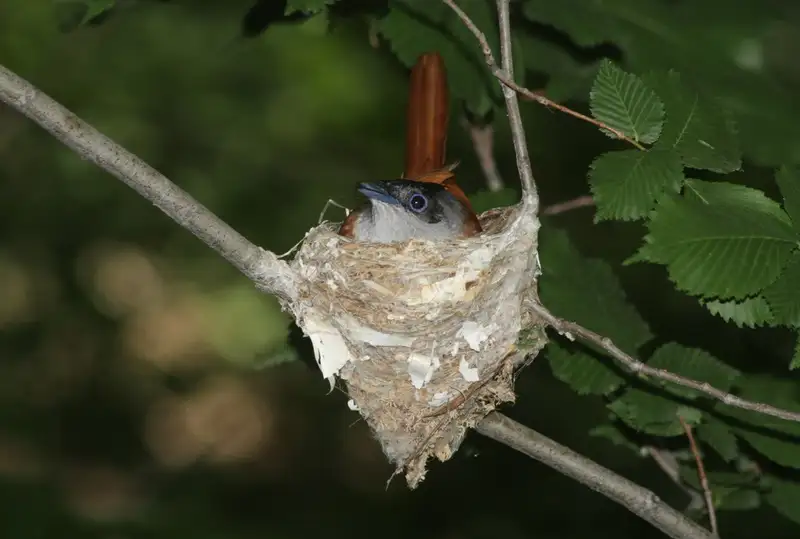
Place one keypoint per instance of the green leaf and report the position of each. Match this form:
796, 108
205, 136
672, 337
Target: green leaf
627, 184
583, 373
775, 438
588, 292
796, 357
307, 6
487, 200
413, 28
653, 414
751, 312
783, 295
622, 101
696, 126
659, 415
788, 180
719, 437
784, 496
719, 241
695, 364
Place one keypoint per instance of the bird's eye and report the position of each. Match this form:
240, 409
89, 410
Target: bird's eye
418, 202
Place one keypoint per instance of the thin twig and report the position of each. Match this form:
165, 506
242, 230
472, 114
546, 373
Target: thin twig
635, 498
483, 142
508, 81
701, 473
262, 267
568, 205
530, 194
571, 329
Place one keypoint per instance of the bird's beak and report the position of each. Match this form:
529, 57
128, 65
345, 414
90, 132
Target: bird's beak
376, 191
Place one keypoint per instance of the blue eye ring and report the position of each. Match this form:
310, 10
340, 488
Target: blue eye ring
418, 202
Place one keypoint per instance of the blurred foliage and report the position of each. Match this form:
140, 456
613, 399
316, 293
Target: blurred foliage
133, 401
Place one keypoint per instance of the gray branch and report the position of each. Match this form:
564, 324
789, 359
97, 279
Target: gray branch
262, 267
633, 497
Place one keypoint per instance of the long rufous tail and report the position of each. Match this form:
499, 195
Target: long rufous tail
427, 119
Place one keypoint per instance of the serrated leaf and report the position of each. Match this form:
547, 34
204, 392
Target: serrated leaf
653, 414
627, 184
413, 28
696, 127
307, 6
583, 373
720, 241
487, 200
695, 364
784, 496
788, 180
588, 292
751, 312
775, 438
659, 415
623, 102
719, 437
783, 295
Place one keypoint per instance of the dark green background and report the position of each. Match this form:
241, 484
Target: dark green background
142, 388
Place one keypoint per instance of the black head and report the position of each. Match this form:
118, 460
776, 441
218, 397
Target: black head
427, 201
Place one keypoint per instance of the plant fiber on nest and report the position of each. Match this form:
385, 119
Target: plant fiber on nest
425, 335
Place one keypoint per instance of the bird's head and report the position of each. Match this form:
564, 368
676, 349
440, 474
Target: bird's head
399, 210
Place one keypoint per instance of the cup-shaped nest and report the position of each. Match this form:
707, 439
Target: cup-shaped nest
426, 335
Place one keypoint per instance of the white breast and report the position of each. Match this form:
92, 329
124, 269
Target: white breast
388, 223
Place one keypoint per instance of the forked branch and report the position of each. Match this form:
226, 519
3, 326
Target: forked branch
506, 77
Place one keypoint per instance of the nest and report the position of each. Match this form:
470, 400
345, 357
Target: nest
425, 335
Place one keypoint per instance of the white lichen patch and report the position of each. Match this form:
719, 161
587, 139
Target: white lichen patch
470, 374
475, 334
421, 368
330, 350
422, 333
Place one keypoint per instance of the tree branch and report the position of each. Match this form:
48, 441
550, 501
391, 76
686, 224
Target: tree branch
701, 474
562, 207
571, 329
483, 143
530, 194
262, 267
506, 75
633, 497
506, 72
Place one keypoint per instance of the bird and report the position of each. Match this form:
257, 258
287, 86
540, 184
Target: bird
401, 209
426, 202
